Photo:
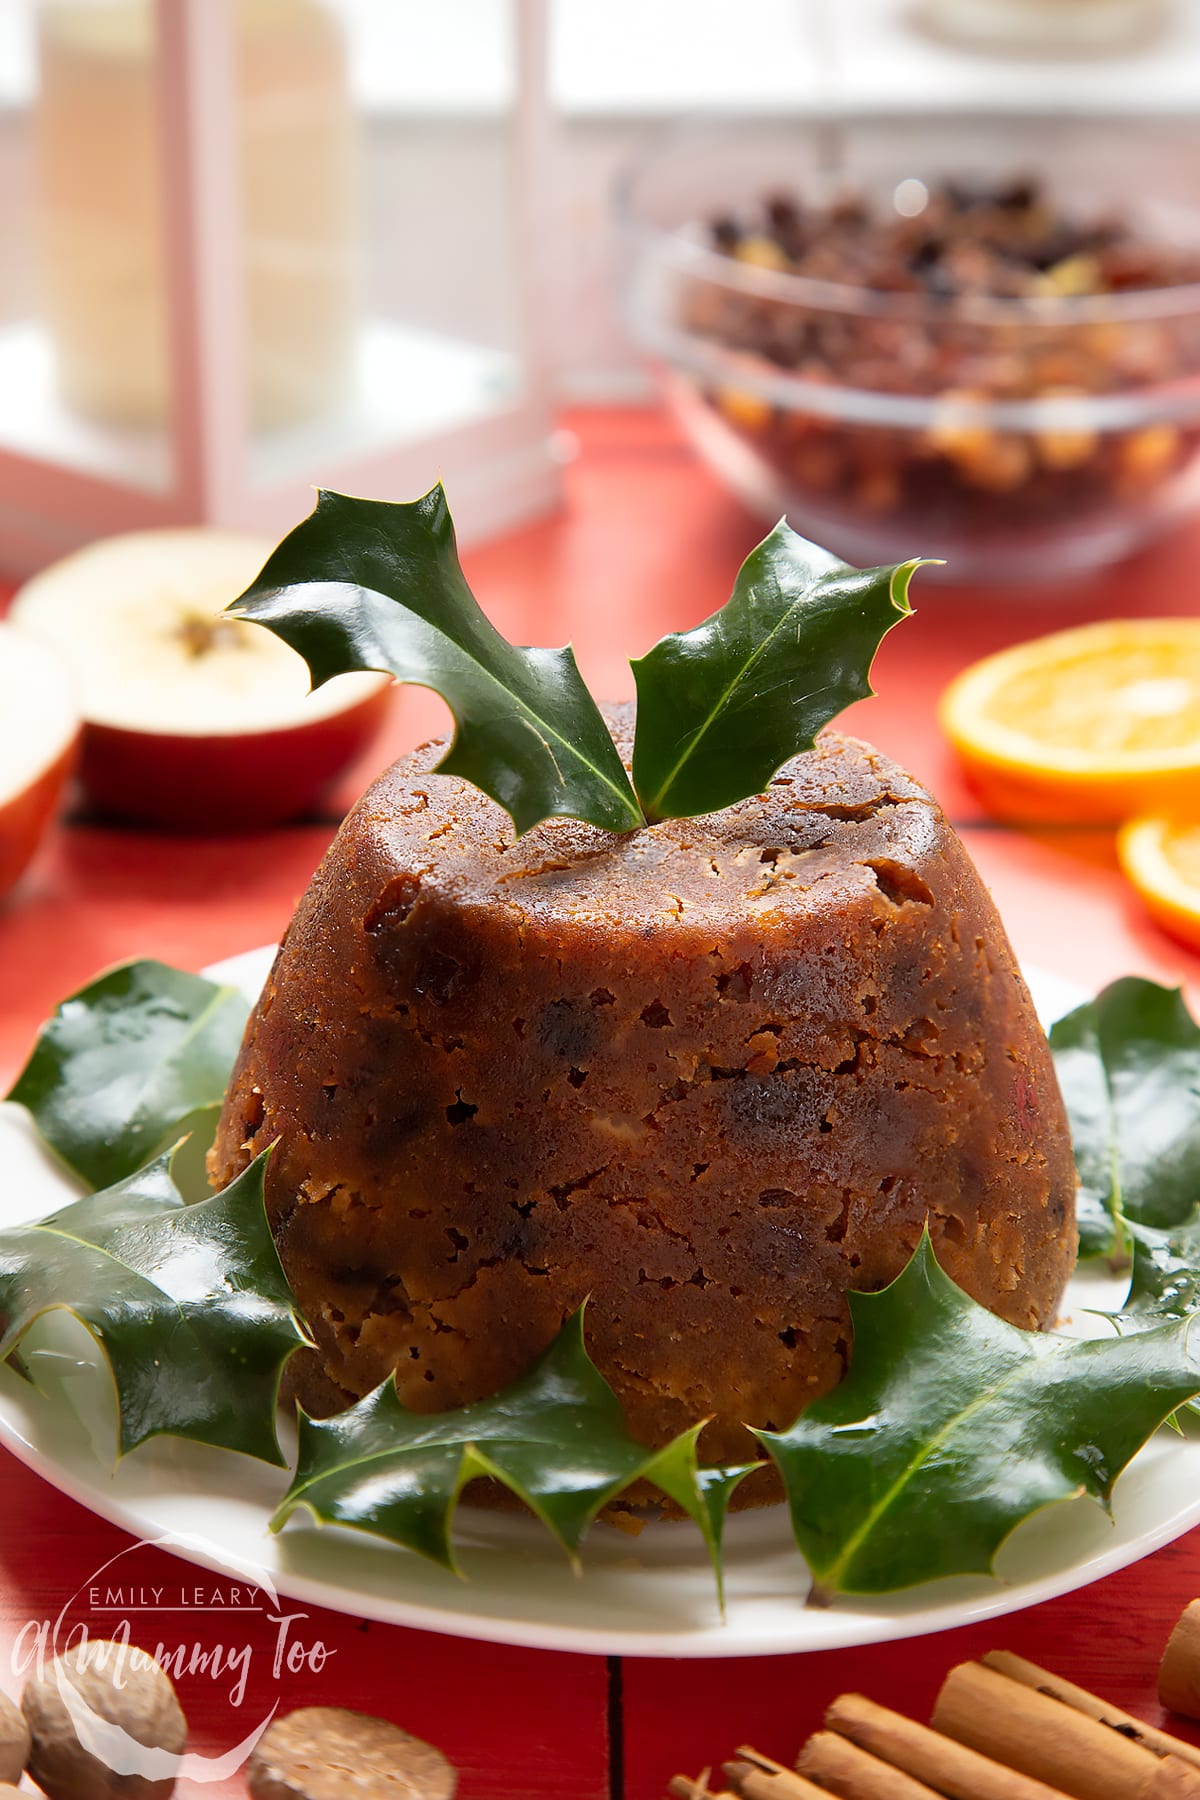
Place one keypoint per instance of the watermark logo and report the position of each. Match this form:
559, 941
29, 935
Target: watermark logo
229, 1628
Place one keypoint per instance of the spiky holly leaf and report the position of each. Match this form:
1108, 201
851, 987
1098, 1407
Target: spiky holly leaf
127, 1065
1128, 1064
1165, 1280
364, 584
556, 1438
189, 1304
952, 1426
722, 707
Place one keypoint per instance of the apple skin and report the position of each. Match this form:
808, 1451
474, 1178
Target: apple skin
25, 817
239, 782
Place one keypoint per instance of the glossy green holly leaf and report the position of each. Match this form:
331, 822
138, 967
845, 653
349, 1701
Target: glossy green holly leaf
952, 1426
556, 1438
1164, 1282
364, 584
130, 1063
1128, 1065
722, 707
188, 1303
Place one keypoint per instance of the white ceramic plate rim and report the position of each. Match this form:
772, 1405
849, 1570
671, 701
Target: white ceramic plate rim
652, 1596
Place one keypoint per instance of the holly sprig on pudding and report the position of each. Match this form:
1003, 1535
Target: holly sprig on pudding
369, 584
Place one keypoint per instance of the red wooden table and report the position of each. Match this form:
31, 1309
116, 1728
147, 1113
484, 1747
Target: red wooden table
647, 543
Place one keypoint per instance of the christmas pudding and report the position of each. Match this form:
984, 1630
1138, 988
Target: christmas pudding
708, 1074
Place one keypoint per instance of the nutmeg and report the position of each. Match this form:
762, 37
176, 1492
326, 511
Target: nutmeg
105, 1723
14, 1741
319, 1751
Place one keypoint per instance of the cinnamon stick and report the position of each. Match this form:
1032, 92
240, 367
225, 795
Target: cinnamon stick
1171, 1780
687, 1787
756, 1777
1179, 1671
1050, 1742
939, 1761
1161, 1742
842, 1768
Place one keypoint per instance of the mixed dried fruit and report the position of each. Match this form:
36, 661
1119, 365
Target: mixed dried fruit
964, 296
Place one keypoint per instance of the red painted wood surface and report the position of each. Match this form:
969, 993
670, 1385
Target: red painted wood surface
647, 543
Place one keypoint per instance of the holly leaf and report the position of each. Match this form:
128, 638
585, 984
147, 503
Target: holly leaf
1164, 1282
952, 1426
128, 1064
556, 1438
188, 1303
363, 584
722, 707
1128, 1065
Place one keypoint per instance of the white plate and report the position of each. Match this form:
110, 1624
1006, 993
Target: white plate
646, 1596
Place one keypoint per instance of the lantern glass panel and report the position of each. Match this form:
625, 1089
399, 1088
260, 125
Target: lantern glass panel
83, 358
395, 317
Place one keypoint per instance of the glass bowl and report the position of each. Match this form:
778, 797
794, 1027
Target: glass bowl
1015, 437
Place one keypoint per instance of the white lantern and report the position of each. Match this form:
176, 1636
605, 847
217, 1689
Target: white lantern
233, 284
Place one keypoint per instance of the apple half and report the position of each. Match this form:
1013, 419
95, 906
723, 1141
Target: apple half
39, 733
192, 719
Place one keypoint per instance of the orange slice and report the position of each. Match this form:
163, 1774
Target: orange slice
1094, 724
1162, 859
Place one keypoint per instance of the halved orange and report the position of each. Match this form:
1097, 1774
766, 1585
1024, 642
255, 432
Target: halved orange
1090, 725
1162, 859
